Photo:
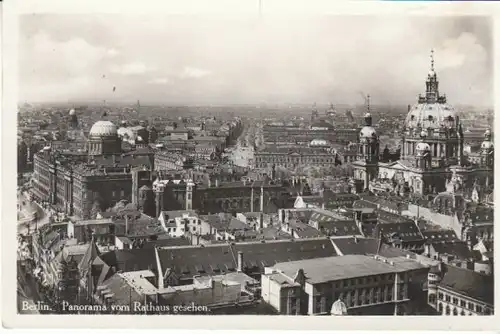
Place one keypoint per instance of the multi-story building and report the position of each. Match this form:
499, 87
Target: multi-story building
79, 183
296, 156
165, 160
283, 135
459, 291
366, 285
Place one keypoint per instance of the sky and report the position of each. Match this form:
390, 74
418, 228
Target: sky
208, 60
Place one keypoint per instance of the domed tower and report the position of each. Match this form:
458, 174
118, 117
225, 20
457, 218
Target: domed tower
370, 145
73, 120
438, 119
487, 150
103, 139
423, 158
314, 113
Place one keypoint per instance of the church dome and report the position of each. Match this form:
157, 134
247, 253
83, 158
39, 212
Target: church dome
431, 115
368, 132
422, 147
103, 129
486, 145
338, 308
72, 112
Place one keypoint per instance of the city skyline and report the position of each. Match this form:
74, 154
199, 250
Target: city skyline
267, 61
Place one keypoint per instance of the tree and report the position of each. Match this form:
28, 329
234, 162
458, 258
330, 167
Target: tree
386, 154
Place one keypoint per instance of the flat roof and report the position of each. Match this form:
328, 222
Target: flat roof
344, 267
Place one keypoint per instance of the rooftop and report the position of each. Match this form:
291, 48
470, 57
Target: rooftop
345, 267
469, 283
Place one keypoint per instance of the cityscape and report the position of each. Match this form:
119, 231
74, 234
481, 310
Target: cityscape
167, 195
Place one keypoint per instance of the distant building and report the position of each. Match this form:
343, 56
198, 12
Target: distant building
432, 150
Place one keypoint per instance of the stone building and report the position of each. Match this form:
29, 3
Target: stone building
432, 150
458, 291
78, 183
367, 285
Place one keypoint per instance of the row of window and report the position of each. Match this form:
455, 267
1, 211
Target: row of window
459, 302
449, 311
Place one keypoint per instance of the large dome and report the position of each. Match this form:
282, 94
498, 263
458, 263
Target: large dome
103, 129
431, 115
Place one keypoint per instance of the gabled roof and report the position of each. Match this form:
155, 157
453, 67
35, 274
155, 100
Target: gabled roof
456, 248
469, 283
213, 259
367, 246
90, 255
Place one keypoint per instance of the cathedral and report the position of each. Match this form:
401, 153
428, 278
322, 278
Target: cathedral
432, 156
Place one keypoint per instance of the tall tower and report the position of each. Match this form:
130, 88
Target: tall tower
369, 150
487, 150
435, 116
159, 189
432, 83
189, 194
314, 113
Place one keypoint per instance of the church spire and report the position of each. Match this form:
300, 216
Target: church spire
432, 60
432, 85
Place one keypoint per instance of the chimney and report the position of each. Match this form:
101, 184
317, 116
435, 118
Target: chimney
292, 233
209, 182
240, 262
126, 224
261, 222
251, 199
216, 182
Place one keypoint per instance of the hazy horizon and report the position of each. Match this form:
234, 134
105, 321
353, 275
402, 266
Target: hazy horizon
178, 60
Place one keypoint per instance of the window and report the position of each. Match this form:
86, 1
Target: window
113, 194
463, 303
448, 298
194, 228
470, 306
122, 193
447, 310
479, 309
455, 301
455, 312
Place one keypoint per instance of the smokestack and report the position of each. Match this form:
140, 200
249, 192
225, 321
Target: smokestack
292, 233
209, 182
240, 262
216, 182
251, 200
261, 222
409, 108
